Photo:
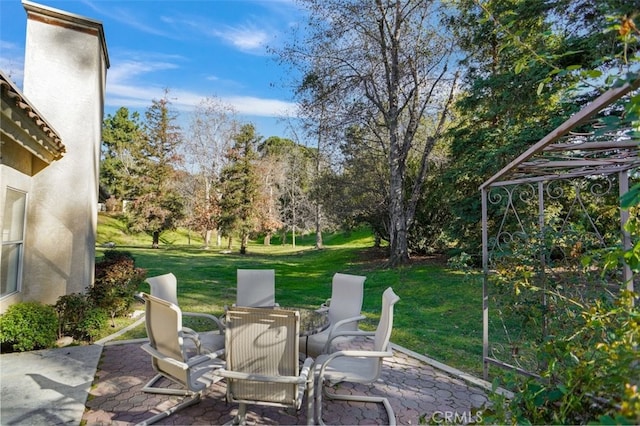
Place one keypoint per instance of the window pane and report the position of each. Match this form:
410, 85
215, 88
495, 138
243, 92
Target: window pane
13, 223
9, 268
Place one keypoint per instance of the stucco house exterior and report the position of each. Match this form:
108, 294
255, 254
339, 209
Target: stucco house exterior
49, 158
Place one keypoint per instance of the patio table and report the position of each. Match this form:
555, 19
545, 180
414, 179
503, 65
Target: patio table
312, 322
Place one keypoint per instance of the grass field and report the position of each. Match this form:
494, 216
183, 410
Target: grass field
439, 313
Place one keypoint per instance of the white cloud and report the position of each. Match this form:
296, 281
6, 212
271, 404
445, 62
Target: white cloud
127, 17
12, 61
245, 38
129, 69
261, 107
140, 97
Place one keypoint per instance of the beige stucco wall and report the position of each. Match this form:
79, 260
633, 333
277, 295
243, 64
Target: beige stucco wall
64, 76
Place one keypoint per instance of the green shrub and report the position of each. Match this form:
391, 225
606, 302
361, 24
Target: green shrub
78, 318
26, 326
116, 282
93, 322
589, 376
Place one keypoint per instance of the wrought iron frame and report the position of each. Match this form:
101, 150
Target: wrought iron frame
580, 149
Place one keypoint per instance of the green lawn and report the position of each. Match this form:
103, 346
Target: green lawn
439, 313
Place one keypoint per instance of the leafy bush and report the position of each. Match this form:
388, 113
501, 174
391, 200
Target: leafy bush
116, 282
591, 375
78, 317
71, 308
93, 322
26, 326
589, 366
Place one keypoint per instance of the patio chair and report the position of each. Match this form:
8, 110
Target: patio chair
343, 309
169, 355
256, 288
357, 366
165, 288
262, 360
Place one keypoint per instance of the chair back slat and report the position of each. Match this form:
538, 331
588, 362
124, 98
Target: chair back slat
385, 325
165, 287
262, 341
163, 322
256, 287
347, 292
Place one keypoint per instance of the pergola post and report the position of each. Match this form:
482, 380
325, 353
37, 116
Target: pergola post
543, 258
485, 288
623, 183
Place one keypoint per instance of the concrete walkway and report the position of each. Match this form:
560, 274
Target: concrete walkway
47, 387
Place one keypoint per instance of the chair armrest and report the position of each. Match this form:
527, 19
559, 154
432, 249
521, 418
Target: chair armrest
306, 367
199, 359
191, 362
188, 333
223, 372
307, 372
354, 354
210, 317
324, 306
158, 355
354, 333
346, 321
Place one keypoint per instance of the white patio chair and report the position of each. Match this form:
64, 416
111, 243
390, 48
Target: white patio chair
166, 287
343, 309
262, 360
169, 355
357, 366
256, 288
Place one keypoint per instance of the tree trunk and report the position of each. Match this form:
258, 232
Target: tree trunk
293, 236
207, 238
398, 244
156, 240
244, 240
318, 227
267, 239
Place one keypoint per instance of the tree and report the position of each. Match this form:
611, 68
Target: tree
239, 184
385, 64
522, 63
122, 136
158, 206
359, 192
297, 210
213, 125
316, 118
272, 171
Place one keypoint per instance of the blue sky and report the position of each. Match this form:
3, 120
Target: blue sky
196, 49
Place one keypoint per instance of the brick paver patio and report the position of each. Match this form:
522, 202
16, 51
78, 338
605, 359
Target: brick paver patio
417, 390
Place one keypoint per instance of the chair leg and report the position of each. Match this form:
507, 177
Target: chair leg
194, 399
150, 388
329, 395
310, 402
241, 416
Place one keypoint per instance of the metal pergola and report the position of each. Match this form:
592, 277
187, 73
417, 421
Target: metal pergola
583, 148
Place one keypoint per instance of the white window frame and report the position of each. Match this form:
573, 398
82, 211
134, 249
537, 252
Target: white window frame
20, 243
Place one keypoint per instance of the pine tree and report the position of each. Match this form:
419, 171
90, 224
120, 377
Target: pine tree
122, 136
240, 187
158, 206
